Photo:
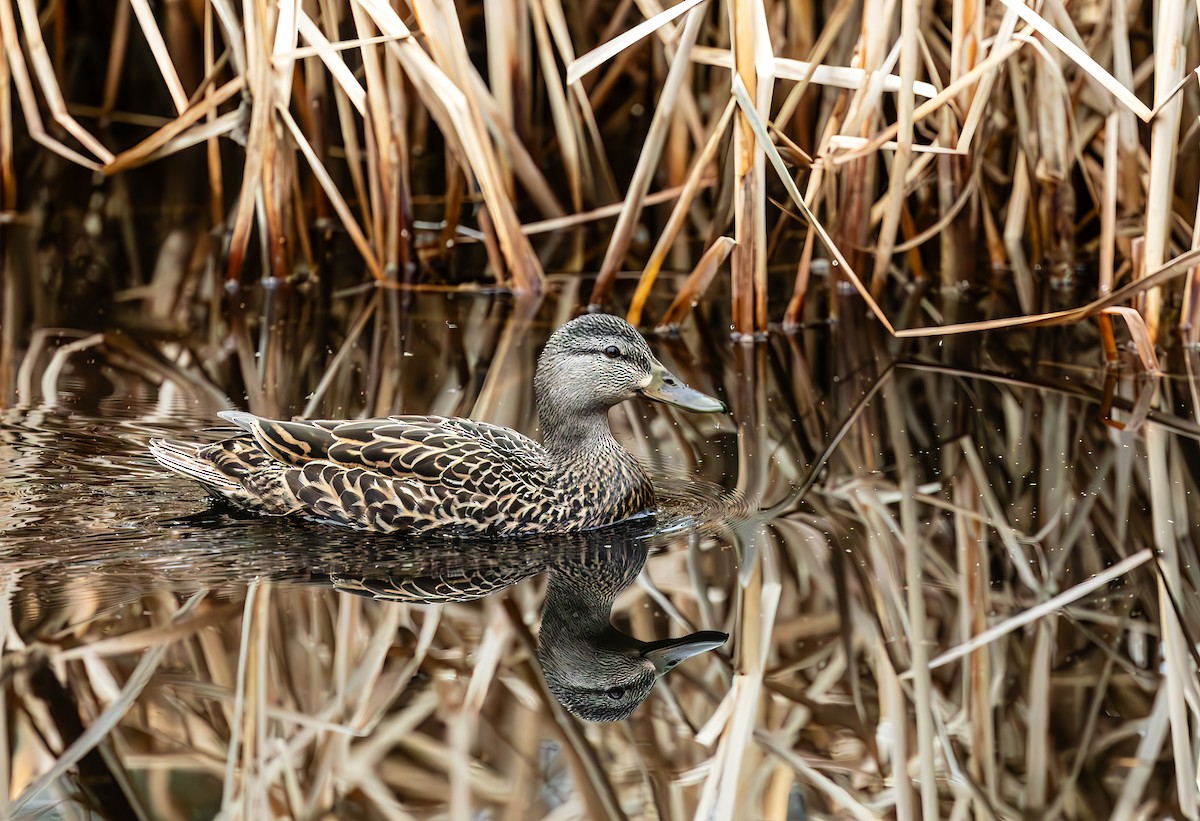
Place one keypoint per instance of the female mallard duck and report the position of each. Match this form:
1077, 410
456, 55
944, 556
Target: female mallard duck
456, 477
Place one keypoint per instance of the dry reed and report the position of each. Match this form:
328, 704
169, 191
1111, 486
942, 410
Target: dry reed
256, 194
1002, 119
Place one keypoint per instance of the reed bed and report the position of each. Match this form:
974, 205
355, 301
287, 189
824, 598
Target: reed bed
304, 148
960, 592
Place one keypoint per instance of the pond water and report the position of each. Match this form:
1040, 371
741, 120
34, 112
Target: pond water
958, 578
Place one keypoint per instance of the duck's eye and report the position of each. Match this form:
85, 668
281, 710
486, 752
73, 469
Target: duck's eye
612, 352
615, 693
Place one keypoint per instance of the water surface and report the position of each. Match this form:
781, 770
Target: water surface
862, 511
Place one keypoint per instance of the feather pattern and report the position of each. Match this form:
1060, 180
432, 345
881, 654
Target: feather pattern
450, 476
412, 474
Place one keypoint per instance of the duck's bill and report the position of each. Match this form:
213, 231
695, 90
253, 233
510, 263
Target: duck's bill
669, 389
667, 653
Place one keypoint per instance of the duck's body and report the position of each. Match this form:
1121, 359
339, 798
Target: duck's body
457, 477
414, 474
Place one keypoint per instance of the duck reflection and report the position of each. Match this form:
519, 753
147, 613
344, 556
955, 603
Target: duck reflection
596, 672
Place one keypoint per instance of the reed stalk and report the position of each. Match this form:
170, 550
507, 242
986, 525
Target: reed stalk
942, 95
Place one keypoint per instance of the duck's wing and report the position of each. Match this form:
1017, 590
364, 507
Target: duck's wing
430, 589
396, 475
456, 454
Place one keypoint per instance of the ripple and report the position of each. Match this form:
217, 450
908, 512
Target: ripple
692, 502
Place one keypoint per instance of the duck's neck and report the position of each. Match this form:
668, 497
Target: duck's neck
568, 436
586, 456
577, 642
580, 592
583, 448
576, 611
571, 425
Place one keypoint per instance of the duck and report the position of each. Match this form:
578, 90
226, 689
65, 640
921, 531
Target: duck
597, 672
456, 477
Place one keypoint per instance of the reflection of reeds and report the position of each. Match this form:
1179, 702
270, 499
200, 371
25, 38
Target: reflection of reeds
401, 137
319, 700
983, 605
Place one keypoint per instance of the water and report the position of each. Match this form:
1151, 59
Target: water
849, 523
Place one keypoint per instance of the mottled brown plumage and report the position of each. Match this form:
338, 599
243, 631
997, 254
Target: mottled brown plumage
457, 477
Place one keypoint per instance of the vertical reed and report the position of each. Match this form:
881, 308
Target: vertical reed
907, 137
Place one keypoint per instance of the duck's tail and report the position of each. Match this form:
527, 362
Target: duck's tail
185, 459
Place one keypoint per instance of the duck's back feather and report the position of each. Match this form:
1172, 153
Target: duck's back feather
435, 450
400, 474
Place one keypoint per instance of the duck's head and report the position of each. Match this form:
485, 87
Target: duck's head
596, 671
598, 360
606, 680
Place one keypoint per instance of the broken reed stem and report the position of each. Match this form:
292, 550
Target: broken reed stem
678, 215
145, 18
693, 288
750, 44
909, 21
647, 159
791, 317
